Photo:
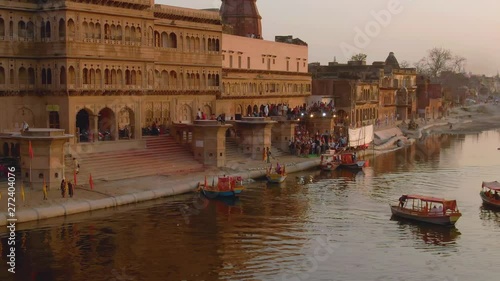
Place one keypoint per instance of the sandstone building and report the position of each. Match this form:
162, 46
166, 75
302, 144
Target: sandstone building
106, 70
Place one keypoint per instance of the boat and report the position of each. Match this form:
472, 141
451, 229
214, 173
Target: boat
489, 194
277, 175
348, 160
226, 187
329, 161
427, 209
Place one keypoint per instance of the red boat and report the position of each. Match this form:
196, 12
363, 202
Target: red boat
427, 209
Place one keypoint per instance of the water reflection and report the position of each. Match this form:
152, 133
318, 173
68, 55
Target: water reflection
430, 234
270, 227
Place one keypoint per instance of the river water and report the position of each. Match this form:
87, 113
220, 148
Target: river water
315, 226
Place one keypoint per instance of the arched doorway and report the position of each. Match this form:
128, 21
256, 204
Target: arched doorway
106, 124
249, 110
256, 110
84, 125
54, 120
208, 111
186, 114
126, 121
25, 114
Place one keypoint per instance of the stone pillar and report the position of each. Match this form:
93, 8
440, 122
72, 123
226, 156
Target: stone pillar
209, 142
283, 132
256, 135
95, 130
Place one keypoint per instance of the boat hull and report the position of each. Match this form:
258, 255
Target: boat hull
211, 192
275, 178
489, 201
329, 166
358, 165
447, 220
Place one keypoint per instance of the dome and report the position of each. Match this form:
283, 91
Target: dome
392, 61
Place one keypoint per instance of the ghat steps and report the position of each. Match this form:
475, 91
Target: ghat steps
162, 156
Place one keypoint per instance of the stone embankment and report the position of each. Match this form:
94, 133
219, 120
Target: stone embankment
160, 187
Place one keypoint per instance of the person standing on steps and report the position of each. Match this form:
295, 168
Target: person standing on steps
70, 189
45, 195
76, 166
63, 188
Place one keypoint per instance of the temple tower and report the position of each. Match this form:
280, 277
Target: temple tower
243, 17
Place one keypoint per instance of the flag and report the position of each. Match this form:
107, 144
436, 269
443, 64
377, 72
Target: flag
22, 191
30, 150
74, 177
91, 182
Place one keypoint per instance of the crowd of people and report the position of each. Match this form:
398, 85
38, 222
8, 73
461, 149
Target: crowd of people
304, 143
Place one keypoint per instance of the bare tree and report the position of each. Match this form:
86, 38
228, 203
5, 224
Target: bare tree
439, 60
404, 64
459, 64
359, 57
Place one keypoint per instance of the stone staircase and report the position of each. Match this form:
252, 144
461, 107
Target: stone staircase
162, 156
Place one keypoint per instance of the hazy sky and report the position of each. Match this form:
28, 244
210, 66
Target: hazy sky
330, 27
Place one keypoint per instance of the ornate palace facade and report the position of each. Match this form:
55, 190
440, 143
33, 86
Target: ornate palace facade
115, 67
88, 66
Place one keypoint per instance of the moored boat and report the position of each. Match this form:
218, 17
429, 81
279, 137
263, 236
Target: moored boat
277, 175
489, 193
226, 187
427, 209
349, 160
329, 161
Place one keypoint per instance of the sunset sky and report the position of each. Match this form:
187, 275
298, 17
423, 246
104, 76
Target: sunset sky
468, 28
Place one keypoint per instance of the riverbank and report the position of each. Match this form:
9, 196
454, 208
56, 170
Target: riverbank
129, 191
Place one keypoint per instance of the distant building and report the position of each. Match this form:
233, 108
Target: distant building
380, 91
430, 98
255, 71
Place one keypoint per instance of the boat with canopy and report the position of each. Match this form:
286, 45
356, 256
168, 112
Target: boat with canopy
427, 209
489, 193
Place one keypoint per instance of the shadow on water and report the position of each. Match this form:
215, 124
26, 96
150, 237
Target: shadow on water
430, 234
489, 213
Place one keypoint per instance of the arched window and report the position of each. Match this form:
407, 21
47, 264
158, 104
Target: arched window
119, 77
2, 76
164, 40
47, 30
49, 76
97, 31
23, 76
119, 33
71, 28
107, 31
30, 30
91, 30
173, 40
31, 76
85, 27
21, 29
128, 78
71, 76
85, 77
138, 78
44, 76
138, 34
62, 76
62, 29
11, 28
107, 77
2, 27
42, 30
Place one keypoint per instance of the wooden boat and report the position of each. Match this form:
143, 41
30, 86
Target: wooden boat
277, 175
329, 161
225, 187
348, 160
489, 194
427, 209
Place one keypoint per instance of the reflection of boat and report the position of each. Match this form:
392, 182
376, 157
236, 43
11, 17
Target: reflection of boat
348, 160
427, 209
430, 234
489, 194
226, 187
329, 161
277, 175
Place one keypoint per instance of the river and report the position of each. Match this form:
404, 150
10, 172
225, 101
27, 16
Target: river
315, 226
